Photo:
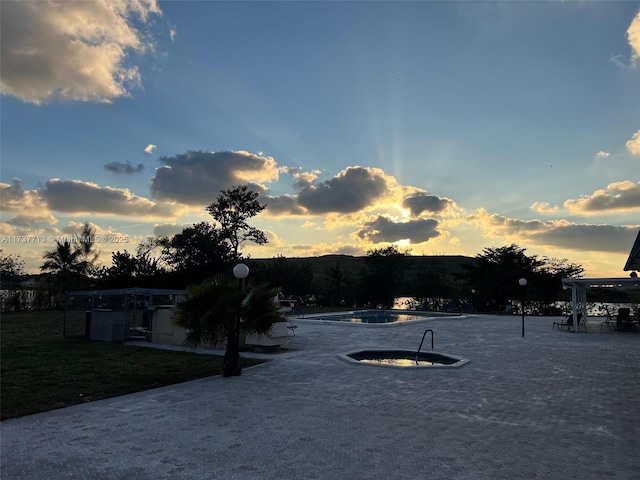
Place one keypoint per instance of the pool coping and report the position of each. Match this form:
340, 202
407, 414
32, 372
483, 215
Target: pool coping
460, 362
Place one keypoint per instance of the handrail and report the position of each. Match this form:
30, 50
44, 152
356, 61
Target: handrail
424, 335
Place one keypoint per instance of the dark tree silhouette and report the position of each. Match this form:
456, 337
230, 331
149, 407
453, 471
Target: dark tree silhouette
232, 210
497, 270
382, 275
197, 253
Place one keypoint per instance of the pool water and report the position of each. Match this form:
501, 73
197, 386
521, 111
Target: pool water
399, 362
374, 316
403, 358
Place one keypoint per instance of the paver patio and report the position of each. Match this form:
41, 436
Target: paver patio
551, 405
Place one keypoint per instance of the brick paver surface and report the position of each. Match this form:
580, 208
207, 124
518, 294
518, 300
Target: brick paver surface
551, 405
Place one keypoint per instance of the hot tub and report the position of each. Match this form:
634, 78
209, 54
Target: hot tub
403, 359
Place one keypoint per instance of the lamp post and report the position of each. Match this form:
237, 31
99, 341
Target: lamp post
523, 283
473, 300
240, 271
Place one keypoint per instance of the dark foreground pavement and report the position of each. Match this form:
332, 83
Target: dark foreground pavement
552, 405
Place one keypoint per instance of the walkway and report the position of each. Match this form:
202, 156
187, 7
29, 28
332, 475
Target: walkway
552, 405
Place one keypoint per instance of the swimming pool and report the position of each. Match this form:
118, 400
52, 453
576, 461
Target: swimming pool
376, 316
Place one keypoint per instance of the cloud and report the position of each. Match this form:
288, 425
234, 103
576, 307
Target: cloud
603, 238
31, 209
383, 229
197, 177
72, 50
24, 220
150, 148
352, 195
282, 205
602, 154
543, 207
73, 228
170, 229
633, 35
618, 196
351, 190
422, 202
75, 196
633, 145
558, 234
311, 225
14, 198
124, 168
302, 179
497, 225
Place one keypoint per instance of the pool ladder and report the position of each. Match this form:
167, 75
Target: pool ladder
424, 335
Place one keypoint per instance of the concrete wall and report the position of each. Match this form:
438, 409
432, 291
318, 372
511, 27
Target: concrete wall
163, 330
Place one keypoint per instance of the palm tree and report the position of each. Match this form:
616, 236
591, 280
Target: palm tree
85, 244
64, 260
218, 308
66, 263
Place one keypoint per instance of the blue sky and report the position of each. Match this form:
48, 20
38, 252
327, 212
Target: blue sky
442, 127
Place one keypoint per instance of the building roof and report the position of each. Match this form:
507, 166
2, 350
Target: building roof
622, 283
633, 262
127, 291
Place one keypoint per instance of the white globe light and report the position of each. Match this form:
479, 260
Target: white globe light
522, 282
240, 271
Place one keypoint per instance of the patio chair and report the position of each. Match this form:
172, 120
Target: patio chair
635, 321
623, 320
291, 327
568, 323
608, 321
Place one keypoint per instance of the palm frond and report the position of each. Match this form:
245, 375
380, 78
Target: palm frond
208, 311
259, 311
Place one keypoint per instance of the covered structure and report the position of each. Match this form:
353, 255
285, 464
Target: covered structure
633, 262
579, 286
114, 315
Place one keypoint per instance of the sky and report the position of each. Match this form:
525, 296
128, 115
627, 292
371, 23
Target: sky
440, 127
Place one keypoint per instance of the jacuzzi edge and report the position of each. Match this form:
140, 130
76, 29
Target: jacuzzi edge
460, 362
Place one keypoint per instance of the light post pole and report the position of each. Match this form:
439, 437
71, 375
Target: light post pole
523, 283
473, 300
240, 271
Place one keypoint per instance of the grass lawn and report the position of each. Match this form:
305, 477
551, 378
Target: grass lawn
42, 371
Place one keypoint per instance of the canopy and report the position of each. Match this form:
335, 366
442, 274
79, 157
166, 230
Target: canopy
633, 263
579, 287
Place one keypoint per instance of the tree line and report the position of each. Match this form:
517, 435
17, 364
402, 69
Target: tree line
486, 283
